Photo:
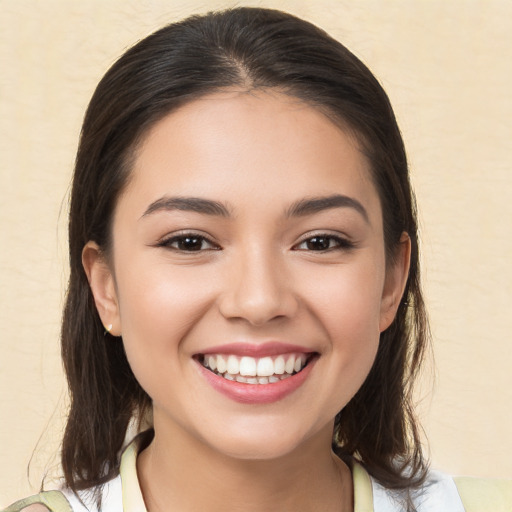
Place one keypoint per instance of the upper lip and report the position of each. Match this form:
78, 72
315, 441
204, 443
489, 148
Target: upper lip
271, 348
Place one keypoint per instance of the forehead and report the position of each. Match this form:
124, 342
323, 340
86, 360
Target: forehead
259, 144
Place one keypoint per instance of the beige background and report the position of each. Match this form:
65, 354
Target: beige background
447, 66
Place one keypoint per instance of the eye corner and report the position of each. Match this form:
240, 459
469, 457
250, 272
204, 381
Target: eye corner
188, 243
324, 243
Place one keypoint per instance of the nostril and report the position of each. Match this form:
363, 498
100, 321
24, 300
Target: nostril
258, 290
258, 312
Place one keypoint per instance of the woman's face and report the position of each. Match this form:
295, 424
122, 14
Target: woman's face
248, 244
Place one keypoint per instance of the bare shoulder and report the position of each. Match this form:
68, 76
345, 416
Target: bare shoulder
23, 506
46, 501
36, 507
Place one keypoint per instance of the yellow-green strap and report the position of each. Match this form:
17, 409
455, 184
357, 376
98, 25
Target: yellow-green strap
485, 495
363, 493
132, 496
54, 501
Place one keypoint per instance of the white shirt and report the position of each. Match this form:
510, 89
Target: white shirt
123, 493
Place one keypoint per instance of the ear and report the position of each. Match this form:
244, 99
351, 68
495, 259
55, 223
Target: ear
397, 273
103, 288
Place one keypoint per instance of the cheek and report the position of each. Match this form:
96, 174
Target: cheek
157, 310
154, 299
348, 309
348, 299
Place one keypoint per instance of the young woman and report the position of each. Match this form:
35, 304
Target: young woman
244, 285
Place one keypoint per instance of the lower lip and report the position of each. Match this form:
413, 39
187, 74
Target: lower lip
257, 393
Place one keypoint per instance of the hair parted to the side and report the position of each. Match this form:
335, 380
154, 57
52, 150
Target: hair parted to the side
248, 48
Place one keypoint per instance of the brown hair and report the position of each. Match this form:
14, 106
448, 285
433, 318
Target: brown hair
251, 48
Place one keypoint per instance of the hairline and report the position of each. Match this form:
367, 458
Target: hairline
132, 152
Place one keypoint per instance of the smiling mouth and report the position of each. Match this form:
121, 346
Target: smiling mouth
254, 370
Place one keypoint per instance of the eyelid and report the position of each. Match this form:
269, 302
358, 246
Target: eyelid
166, 240
344, 241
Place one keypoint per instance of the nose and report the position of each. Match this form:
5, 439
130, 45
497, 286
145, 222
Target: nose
258, 289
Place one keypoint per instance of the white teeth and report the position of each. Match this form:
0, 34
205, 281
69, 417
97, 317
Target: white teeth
265, 367
289, 365
221, 364
251, 370
248, 366
279, 365
233, 365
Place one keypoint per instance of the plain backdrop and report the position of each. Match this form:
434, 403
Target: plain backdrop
447, 66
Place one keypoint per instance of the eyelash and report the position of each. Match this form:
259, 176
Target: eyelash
340, 243
182, 238
334, 243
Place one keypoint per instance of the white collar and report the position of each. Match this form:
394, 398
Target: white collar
134, 502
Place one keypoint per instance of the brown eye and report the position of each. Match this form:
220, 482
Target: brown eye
189, 243
323, 243
318, 243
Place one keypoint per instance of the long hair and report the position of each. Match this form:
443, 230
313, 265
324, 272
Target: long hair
249, 48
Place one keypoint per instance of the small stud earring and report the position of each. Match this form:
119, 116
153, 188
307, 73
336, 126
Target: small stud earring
108, 328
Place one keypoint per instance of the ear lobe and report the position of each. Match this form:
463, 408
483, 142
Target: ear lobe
397, 273
102, 286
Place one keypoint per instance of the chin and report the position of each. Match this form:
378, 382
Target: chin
258, 451
262, 443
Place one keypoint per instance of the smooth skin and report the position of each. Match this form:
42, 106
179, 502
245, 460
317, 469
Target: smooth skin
257, 260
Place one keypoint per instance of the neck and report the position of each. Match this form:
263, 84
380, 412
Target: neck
189, 476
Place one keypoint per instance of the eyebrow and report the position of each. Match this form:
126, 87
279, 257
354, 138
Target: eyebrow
190, 204
312, 205
303, 207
